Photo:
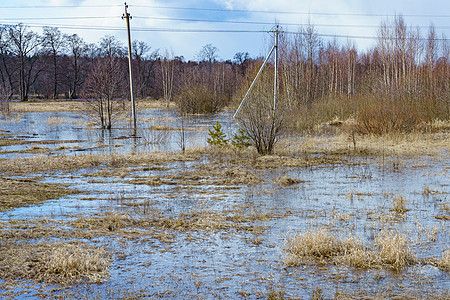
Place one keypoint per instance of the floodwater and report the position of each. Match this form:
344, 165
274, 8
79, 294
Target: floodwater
73, 131
354, 197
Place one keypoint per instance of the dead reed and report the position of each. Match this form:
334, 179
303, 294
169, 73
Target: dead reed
444, 262
392, 249
393, 144
320, 246
399, 204
54, 262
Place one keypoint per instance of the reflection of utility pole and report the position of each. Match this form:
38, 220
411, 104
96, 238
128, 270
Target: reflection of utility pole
127, 17
275, 91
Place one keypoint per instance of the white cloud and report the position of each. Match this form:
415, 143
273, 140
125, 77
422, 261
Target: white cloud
187, 44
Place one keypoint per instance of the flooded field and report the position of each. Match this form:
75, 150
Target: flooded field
117, 217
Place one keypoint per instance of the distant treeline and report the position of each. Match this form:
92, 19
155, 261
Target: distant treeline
403, 65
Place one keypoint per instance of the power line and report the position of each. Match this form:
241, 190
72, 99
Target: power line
193, 30
56, 6
229, 10
214, 21
271, 23
57, 18
210, 21
290, 12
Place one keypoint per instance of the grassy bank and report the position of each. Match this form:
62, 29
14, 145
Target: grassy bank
74, 105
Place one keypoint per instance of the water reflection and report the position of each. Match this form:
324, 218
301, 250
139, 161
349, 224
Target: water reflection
159, 129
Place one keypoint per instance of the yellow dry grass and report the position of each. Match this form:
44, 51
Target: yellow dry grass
399, 204
74, 105
239, 218
444, 262
389, 145
55, 121
45, 106
317, 246
54, 262
320, 246
22, 192
393, 250
43, 163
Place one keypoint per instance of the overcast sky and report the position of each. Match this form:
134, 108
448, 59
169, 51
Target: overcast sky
349, 18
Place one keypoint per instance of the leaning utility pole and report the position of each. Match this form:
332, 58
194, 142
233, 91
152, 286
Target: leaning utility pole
127, 17
275, 87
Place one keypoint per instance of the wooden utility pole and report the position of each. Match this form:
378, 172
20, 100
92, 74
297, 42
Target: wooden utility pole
275, 84
127, 18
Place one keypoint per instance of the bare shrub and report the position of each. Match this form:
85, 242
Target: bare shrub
155, 135
385, 116
262, 122
105, 87
197, 100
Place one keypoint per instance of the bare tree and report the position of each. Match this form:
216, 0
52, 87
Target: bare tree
110, 46
208, 54
77, 49
25, 46
7, 69
167, 71
106, 85
55, 42
5, 97
145, 65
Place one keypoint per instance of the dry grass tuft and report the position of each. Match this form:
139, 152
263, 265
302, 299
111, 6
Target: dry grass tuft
444, 263
54, 263
393, 250
287, 181
55, 121
111, 221
74, 262
321, 246
276, 294
399, 204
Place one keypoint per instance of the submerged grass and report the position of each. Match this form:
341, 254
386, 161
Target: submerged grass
23, 192
239, 218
